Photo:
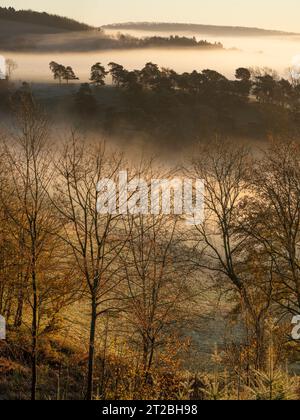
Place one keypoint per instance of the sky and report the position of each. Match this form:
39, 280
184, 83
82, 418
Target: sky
269, 14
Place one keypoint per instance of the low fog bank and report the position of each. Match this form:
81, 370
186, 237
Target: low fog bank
36, 38
272, 52
35, 67
83, 49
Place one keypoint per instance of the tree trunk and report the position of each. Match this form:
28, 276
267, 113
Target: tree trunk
260, 348
90, 377
145, 357
258, 329
20, 305
34, 338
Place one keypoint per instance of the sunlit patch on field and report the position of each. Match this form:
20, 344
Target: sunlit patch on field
2, 328
2, 67
296, 67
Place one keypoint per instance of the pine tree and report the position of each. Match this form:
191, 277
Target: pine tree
69, 74
98, 74
58, 71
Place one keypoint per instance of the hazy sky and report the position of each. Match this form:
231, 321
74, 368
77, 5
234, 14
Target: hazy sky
273, 14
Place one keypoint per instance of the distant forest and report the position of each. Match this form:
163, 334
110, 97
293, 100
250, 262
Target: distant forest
159, 41
37, 18
196, 28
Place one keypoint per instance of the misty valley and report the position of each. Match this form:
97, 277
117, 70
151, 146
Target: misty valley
131, 305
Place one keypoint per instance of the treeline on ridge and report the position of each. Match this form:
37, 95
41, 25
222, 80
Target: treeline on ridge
37, 18
161, 103
159, 100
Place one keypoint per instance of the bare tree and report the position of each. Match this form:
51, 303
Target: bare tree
29, 209
274, 220
94, 239
225, 169
158, 274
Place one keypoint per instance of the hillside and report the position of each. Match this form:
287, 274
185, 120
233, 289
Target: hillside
28, 37
194, 28
22, 36
57, 23
11, 28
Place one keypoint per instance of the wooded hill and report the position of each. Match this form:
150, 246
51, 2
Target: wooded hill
45, 19
195, 28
